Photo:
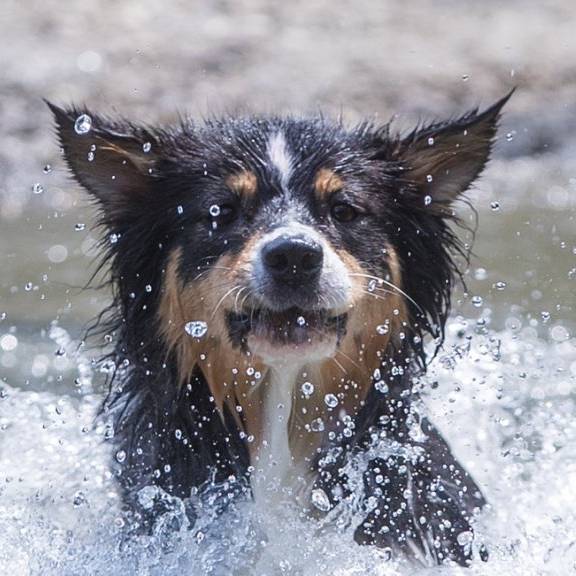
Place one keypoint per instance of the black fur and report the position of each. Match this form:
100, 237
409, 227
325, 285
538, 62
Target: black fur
175, 438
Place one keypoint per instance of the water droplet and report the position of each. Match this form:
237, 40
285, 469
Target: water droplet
196, 328
214, 210
545, 316
381, 386
510, 136
372, 285
559, 333
8, 342
500, 285
28, 286
90, 156
301, 321
430, 141
317, 425
382, 329
47, 169
83, 124
307, 388
79, 498
480, 274
495, 206
427, 199
465, 538
148, 288
37, 188
331, 400
465, 77
477, 301
180, 210
320, 500
120, 456
429, 178
146, 147
79, 227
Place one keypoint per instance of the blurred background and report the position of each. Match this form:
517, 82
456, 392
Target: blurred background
503, 388
410, 61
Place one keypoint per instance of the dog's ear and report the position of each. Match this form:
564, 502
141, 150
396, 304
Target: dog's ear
443, 159
115, 161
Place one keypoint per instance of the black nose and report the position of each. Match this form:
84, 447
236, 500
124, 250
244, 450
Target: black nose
293, 258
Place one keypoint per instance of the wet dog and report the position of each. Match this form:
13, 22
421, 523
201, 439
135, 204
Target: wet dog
274, 281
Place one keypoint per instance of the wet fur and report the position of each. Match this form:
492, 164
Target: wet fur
180, 414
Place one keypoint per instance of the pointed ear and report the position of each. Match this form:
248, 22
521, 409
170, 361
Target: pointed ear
113, 160
443, 159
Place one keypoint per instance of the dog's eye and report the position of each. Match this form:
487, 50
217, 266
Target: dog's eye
223, 213
343, 212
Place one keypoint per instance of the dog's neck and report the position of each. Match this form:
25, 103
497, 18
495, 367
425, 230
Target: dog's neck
289, 411
275, 468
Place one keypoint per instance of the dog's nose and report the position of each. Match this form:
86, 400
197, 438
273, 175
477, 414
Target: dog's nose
293, 258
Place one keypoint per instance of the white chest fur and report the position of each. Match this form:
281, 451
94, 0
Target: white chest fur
276, 474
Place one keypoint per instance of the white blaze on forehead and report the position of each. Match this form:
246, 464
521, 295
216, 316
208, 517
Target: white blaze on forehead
279, 156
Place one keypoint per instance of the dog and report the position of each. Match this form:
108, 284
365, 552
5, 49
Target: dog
274, 281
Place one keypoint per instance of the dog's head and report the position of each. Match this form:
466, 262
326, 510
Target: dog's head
287, 241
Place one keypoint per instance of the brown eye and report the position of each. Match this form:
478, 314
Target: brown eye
343, 212
228, 213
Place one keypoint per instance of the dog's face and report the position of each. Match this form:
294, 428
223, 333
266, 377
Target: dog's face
283, 244
285, 241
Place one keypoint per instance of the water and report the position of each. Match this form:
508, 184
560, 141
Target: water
83, 124
505, 401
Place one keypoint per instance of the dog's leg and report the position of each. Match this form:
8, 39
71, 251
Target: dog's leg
423, 502
173, 441
416, 496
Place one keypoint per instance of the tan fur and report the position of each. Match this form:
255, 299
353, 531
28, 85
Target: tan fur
326, 183
231, 374
142, 163
349, 374
228, 371
245, 184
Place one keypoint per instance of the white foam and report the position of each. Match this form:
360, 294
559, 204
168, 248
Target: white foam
508, 412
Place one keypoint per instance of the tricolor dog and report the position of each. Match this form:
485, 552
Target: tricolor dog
274, 281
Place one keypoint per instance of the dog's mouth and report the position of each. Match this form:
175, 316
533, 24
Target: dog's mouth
293, 327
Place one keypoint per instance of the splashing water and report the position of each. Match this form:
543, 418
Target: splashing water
506, 402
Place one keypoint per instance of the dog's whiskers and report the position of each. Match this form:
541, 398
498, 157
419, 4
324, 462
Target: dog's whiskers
222, 300
393, 286
340, 366
209, 269
238, 296
349, 359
